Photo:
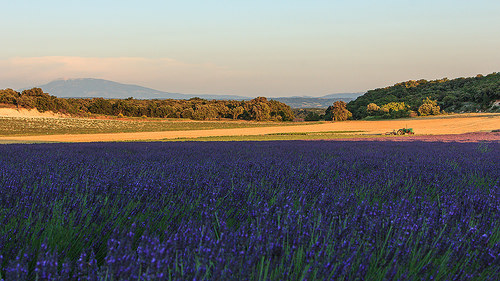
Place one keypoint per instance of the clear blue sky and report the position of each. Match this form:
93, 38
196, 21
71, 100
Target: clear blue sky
270, 48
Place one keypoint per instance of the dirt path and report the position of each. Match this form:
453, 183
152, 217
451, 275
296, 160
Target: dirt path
422, 126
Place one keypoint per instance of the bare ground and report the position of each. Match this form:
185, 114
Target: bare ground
30, 113
443, 125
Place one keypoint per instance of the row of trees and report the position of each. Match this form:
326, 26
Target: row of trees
336, 112
389, 110
260, 109
457, 95
400, 109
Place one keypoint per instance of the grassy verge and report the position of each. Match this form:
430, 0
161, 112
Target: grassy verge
283, 136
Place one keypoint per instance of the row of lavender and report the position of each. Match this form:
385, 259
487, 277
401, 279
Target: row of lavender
298, 210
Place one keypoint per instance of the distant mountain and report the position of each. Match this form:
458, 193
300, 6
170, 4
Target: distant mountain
310, 102
343, 95
92, 88
317, 102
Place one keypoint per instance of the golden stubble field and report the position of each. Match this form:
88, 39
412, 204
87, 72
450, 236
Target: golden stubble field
440, 125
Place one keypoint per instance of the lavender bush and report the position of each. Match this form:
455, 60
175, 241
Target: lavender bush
289, 210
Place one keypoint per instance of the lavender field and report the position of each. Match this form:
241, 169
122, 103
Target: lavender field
282, 210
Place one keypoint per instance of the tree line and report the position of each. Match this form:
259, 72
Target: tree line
335, 112
405, 99
424, 97
259, 109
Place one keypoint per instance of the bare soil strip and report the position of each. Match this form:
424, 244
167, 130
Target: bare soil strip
28, 113
455, 124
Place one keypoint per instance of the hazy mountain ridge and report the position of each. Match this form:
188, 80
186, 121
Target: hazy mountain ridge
310, 102
92, 88
343, 95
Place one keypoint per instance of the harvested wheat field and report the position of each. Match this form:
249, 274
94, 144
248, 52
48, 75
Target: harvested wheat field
443, 125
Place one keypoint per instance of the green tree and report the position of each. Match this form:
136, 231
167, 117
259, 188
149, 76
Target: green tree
394, 106
9, 96
187, 112
101, 106
237, 111
257, 109
204, 112
337, 112
34, 92
429, 107
221, 108
312, 116
372, 107
281, 111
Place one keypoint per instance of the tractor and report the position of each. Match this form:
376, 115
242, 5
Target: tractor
405, 131
402, 131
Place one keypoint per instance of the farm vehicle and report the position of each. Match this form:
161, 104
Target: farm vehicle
402, 131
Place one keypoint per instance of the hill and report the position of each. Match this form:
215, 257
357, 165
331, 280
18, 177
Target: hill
343, 96
310, 102
317, 102
474, 94
100, 88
